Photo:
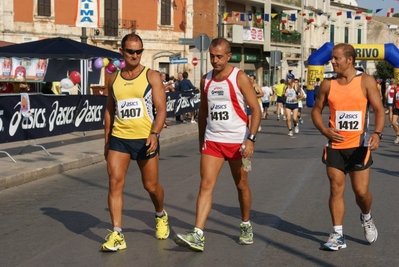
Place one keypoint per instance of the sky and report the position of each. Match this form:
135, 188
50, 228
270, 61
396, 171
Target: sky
376, 4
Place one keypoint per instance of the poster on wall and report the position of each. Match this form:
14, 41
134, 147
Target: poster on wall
22, 69
253, 34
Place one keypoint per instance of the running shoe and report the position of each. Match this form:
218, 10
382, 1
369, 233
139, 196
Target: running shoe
284, 118
247, 235
370, 231
194, 122
296, 129
162, 226
335, 242
396, 140
278, 117
191, 240
301, 121
115, 242
290, 133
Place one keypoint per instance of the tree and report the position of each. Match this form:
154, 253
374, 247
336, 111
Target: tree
384, 70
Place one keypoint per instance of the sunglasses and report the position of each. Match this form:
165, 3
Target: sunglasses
132, 52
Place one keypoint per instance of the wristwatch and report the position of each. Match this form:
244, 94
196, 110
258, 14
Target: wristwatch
379, 134
252, 137
156, 134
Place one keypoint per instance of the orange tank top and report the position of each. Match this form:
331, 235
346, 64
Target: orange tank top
349, 113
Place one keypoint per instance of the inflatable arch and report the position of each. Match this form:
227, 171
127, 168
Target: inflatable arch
316, 61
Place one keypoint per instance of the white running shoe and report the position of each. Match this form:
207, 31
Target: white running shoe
284, 118
396, 141
335, 242
290, 133
296, 129
370, 231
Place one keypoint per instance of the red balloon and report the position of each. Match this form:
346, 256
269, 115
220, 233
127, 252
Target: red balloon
74, 76
111, 67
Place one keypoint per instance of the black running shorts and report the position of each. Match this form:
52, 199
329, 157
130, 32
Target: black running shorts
348, 160
135, 147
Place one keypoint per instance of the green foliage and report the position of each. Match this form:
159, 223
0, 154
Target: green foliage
384, 70
396, 15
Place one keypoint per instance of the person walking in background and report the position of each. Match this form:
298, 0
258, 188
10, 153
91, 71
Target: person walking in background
187, 89
259, 94
223, 135
266, 98
395, 113
131, 133
390, 92
280, 99
293, 94
300, 99
349, 146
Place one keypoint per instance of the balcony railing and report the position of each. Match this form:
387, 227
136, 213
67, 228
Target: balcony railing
285, 36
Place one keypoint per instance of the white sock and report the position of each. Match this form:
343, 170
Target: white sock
199, 231
339, 229
159, 214
366, 217
118, 229
246, 223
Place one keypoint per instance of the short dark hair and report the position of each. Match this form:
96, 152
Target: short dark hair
219, 41
185, 75
133, 36
347, 50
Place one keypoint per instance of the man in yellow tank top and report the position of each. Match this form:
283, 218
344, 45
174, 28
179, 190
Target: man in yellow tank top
349, 142
132, 133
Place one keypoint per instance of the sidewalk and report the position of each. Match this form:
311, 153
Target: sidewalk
68, 151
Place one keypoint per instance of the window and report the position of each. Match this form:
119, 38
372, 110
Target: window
359, 36
44, 8
346, 35
166, 12
111, 18
332, 33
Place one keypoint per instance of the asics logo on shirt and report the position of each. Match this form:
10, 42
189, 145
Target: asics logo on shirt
130, 104
215, 106
348, 116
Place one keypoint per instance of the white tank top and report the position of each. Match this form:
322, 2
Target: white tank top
227, 119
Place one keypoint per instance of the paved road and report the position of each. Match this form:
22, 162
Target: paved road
61, 220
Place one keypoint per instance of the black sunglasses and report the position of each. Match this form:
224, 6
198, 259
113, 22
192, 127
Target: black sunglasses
132, 52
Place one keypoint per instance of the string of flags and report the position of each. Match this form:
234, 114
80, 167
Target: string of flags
258, 17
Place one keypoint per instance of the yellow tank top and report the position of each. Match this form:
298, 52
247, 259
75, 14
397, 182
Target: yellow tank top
134, 114
280, 89
349, 113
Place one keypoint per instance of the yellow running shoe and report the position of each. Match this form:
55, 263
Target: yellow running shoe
115, 242
162, 226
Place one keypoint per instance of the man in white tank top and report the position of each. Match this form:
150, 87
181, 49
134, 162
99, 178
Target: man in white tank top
224, 135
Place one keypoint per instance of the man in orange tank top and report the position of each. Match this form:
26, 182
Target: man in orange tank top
349, 142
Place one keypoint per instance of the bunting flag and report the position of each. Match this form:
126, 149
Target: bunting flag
293, 17
369, 15
378, 10
274, 15
249, 16
357, 17
266, 17
242, 17
283, 18
311, 18
320, 13
359, 12
237, 14
348, 14
225, 16
390, 12
258, 17
339, 13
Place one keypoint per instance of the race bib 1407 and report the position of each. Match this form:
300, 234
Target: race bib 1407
348, 120
130, 109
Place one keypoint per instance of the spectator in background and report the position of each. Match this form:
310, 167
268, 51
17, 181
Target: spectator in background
177, 88
187, 89
46, 89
